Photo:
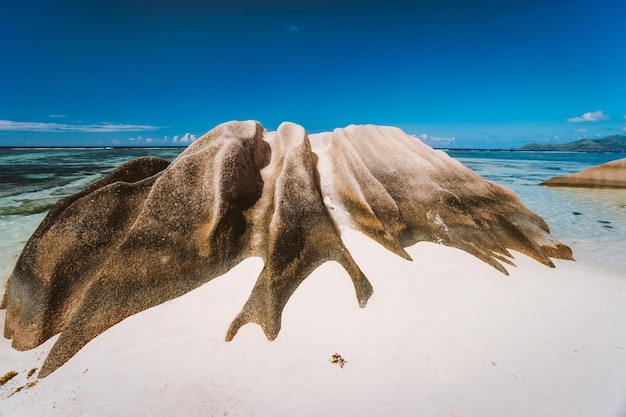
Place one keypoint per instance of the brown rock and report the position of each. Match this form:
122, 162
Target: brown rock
609, 175
150, 232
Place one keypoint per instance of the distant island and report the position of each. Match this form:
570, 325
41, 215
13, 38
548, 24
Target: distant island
616, 143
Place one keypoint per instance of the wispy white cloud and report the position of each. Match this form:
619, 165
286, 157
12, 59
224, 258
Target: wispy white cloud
185, 139
176, 140
590, 117
14, 126
292, 28
57, 116
435, 140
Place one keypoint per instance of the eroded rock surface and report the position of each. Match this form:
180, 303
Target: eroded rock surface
152, 231
609, 175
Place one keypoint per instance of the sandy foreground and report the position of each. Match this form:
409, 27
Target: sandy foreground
445, 335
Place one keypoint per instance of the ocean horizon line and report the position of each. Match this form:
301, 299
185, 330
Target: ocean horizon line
107, 147
92, 147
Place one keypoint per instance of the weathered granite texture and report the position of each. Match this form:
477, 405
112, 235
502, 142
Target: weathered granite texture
609, 175
152, 231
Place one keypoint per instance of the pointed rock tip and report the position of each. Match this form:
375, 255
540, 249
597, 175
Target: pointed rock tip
246, 128
291, 128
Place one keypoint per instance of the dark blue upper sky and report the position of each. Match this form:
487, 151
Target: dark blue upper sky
456, 73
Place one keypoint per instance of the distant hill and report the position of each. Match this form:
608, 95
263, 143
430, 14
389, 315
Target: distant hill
616, 143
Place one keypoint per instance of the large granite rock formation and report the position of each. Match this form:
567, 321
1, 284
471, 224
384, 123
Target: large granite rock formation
152, 231
609, 175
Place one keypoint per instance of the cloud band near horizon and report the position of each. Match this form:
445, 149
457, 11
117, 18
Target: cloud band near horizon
15, 126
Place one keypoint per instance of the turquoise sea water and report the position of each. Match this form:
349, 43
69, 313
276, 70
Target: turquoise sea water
591, 222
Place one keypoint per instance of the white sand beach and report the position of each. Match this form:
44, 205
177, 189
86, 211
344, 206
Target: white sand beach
444, 335
312, 208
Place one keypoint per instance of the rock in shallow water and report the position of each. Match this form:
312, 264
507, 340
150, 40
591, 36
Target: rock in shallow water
152, 231
609, 175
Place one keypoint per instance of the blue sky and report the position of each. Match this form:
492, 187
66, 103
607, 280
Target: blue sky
485, 74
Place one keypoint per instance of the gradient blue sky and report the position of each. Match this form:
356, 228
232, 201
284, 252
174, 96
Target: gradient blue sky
482, 73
